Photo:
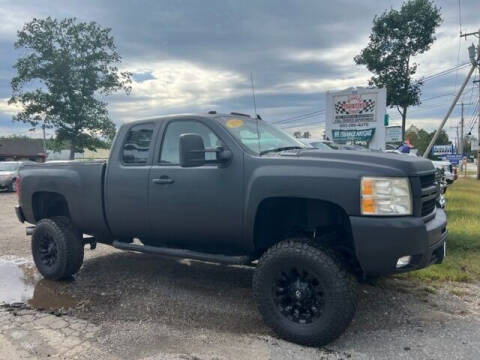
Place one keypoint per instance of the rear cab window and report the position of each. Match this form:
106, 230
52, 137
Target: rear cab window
137, 145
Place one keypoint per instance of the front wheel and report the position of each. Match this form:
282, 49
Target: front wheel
57, 248
303, 293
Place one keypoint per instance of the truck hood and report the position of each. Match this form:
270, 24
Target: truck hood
397, 163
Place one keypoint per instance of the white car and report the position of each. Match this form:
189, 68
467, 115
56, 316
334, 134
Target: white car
447, 167
320, 144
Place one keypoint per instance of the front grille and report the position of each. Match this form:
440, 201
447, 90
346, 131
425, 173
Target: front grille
428, 207
429, 193
427, 180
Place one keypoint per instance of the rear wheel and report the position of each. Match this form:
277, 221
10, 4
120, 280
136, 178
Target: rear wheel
57, 248
304, 293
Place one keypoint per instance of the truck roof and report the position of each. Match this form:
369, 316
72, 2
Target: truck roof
210, 114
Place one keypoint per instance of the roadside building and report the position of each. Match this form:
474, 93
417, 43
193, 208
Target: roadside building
22, 149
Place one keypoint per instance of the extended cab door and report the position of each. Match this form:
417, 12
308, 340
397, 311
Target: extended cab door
127, 178
196, 207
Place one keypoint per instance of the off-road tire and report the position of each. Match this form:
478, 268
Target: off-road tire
68, 244
339, 295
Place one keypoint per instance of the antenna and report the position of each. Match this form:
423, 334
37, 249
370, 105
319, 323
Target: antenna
253, 95
255, 110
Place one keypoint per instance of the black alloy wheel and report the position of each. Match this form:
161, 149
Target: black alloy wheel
48, 250
299, 295
304, 292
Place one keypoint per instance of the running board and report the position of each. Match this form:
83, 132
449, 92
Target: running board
184, 253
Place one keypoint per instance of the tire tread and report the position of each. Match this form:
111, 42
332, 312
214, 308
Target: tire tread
345, 284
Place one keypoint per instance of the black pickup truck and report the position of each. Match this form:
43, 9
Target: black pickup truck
236, 190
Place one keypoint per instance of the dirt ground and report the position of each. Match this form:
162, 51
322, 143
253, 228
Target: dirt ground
124, 305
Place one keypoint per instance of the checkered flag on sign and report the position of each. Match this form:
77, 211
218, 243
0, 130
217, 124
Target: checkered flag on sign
339, 107
369, 106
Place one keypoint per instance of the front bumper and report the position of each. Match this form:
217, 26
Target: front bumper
380, 242
5, 183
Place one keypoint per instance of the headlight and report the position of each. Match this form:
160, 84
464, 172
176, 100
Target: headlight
385, 196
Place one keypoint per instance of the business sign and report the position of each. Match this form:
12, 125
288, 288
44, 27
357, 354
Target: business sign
357, 114
442, 150
360, 135
454, 158
393, 134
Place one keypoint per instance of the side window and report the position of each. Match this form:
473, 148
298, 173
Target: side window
137, 144
170, 154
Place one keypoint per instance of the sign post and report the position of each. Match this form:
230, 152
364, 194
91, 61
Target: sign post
357, 115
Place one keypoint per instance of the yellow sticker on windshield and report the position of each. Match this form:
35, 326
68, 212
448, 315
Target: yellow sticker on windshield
234, 123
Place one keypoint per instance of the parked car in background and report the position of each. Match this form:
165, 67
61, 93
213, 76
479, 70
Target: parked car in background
449, 170
320, 144
8, 174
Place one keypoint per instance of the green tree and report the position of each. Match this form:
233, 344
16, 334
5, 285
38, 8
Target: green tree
398, 36
421, 138
66, 66
297, 134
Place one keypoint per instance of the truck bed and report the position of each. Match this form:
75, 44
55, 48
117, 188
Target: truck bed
81, 184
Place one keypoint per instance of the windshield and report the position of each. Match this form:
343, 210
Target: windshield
270, 137
8, 166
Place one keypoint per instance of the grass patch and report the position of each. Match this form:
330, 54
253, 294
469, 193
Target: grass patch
463, 245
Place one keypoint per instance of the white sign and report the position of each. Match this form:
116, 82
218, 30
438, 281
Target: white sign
393, 134
357, 114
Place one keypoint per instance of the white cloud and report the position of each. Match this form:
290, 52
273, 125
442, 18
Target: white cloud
339, 56
177, 84
315, 85
11, 109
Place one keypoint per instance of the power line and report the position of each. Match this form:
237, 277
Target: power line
442, 73
308, 122
299, 117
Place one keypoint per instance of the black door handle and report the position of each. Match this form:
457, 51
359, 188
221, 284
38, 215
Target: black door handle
163, 180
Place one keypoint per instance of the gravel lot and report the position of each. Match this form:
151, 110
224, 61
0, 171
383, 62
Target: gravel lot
123, 305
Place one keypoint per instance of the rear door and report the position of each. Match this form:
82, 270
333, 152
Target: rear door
127, 179
200, 207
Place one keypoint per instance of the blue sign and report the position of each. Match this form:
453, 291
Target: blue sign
442, 150
454, 158
361, 135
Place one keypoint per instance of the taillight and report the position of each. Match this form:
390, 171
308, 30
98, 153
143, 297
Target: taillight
17, 186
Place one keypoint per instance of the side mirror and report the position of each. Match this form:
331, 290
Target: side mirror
224, 155
192, 150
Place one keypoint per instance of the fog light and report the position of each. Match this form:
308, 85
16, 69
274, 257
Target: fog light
403, 261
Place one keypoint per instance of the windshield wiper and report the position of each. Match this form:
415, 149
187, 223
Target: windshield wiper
280, 149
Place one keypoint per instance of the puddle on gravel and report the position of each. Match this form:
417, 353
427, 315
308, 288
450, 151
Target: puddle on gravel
21, 283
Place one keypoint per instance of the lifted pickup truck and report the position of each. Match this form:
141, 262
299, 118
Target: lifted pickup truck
236, 190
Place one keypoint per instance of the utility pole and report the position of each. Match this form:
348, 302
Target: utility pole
478, 121
44, 140
456, 136
474, 54
460, 142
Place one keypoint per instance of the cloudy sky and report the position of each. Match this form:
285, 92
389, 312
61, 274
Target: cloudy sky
195, 56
